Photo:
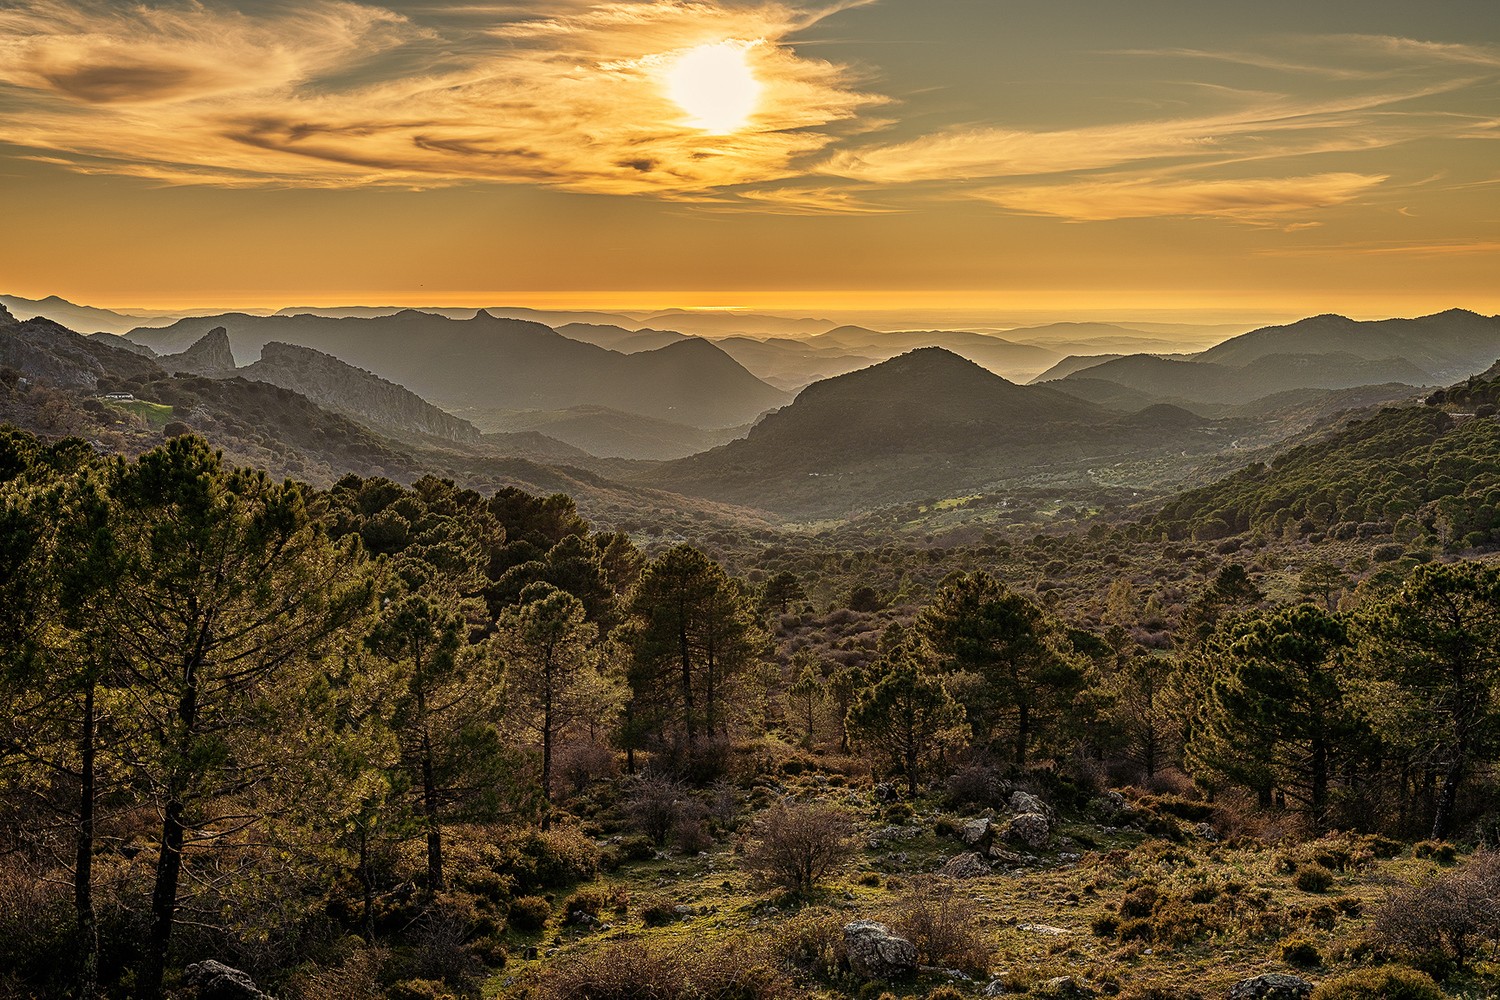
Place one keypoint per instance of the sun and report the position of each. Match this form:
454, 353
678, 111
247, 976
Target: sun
715, 85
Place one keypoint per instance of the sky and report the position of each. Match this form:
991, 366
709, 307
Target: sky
1070, 159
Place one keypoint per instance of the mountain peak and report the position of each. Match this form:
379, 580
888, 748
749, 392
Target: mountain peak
209, 355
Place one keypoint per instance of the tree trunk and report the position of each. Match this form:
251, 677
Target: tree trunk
163, 900
1319, 796
1023, 733
687, 677
547, 739
83, 866
430, 812
1447, 801
366, 885
173, 832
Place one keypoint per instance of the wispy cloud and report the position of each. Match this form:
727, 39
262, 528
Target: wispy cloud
1469, 248
1253, 200
291, 94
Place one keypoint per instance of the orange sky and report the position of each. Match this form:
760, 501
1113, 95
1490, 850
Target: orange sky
1152, 160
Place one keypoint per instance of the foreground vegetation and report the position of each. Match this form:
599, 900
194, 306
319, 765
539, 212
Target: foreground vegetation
419, 741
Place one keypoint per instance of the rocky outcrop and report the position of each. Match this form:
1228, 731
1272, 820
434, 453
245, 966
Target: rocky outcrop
1025, 802
358, 394
213, 980
1031, 829
210, 356
49, 354
876, 953
1276, 986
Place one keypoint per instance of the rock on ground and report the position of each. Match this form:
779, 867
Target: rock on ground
975, 830
1025, 802
877, 953
216, 981
967, 866
1276, 986
1031, 829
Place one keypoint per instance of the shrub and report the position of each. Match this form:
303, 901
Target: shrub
657, 911
637, 970
1392, 982
545, 859
1153, 991
1314, 878
529, 913
653, 804
813, 940
799, 845
946, 928
1105, 925
1441, 923
1437, 850
1301, 951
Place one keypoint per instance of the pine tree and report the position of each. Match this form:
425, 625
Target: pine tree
907, 716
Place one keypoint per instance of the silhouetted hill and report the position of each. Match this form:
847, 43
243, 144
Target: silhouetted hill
1448, 345
1207, 382
792, 364
998, 355
925, 424
354, 392
605, 433
50, 354
73, 316
1074, 363
490, 362
617, 338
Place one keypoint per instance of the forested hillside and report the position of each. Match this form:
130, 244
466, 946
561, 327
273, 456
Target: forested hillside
424, 741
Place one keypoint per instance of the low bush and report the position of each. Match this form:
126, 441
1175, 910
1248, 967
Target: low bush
799, 845
1393, 982
1314, 878
638, 970
1301, 951
529, 913
1441, 924
947, 929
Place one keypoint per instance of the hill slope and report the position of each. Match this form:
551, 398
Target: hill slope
1449, 345
927, 424
1215, 383
490, 362
356, 393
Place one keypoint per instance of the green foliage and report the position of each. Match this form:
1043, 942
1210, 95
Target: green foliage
529, 913
1003, 656
907, 716
1391, 982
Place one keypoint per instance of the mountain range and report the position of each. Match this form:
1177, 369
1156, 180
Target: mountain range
515, 364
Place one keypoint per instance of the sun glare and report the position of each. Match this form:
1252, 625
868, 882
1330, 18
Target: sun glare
714, 84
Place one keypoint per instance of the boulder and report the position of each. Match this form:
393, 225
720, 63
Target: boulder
1025, 802
1066, 986
967, 866
213, 980
876, 953
975, 830
1030, 828
885, 793
994, 988
1276, 986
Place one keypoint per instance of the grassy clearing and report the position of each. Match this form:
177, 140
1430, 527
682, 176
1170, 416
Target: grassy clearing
1113, 908
154, 415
